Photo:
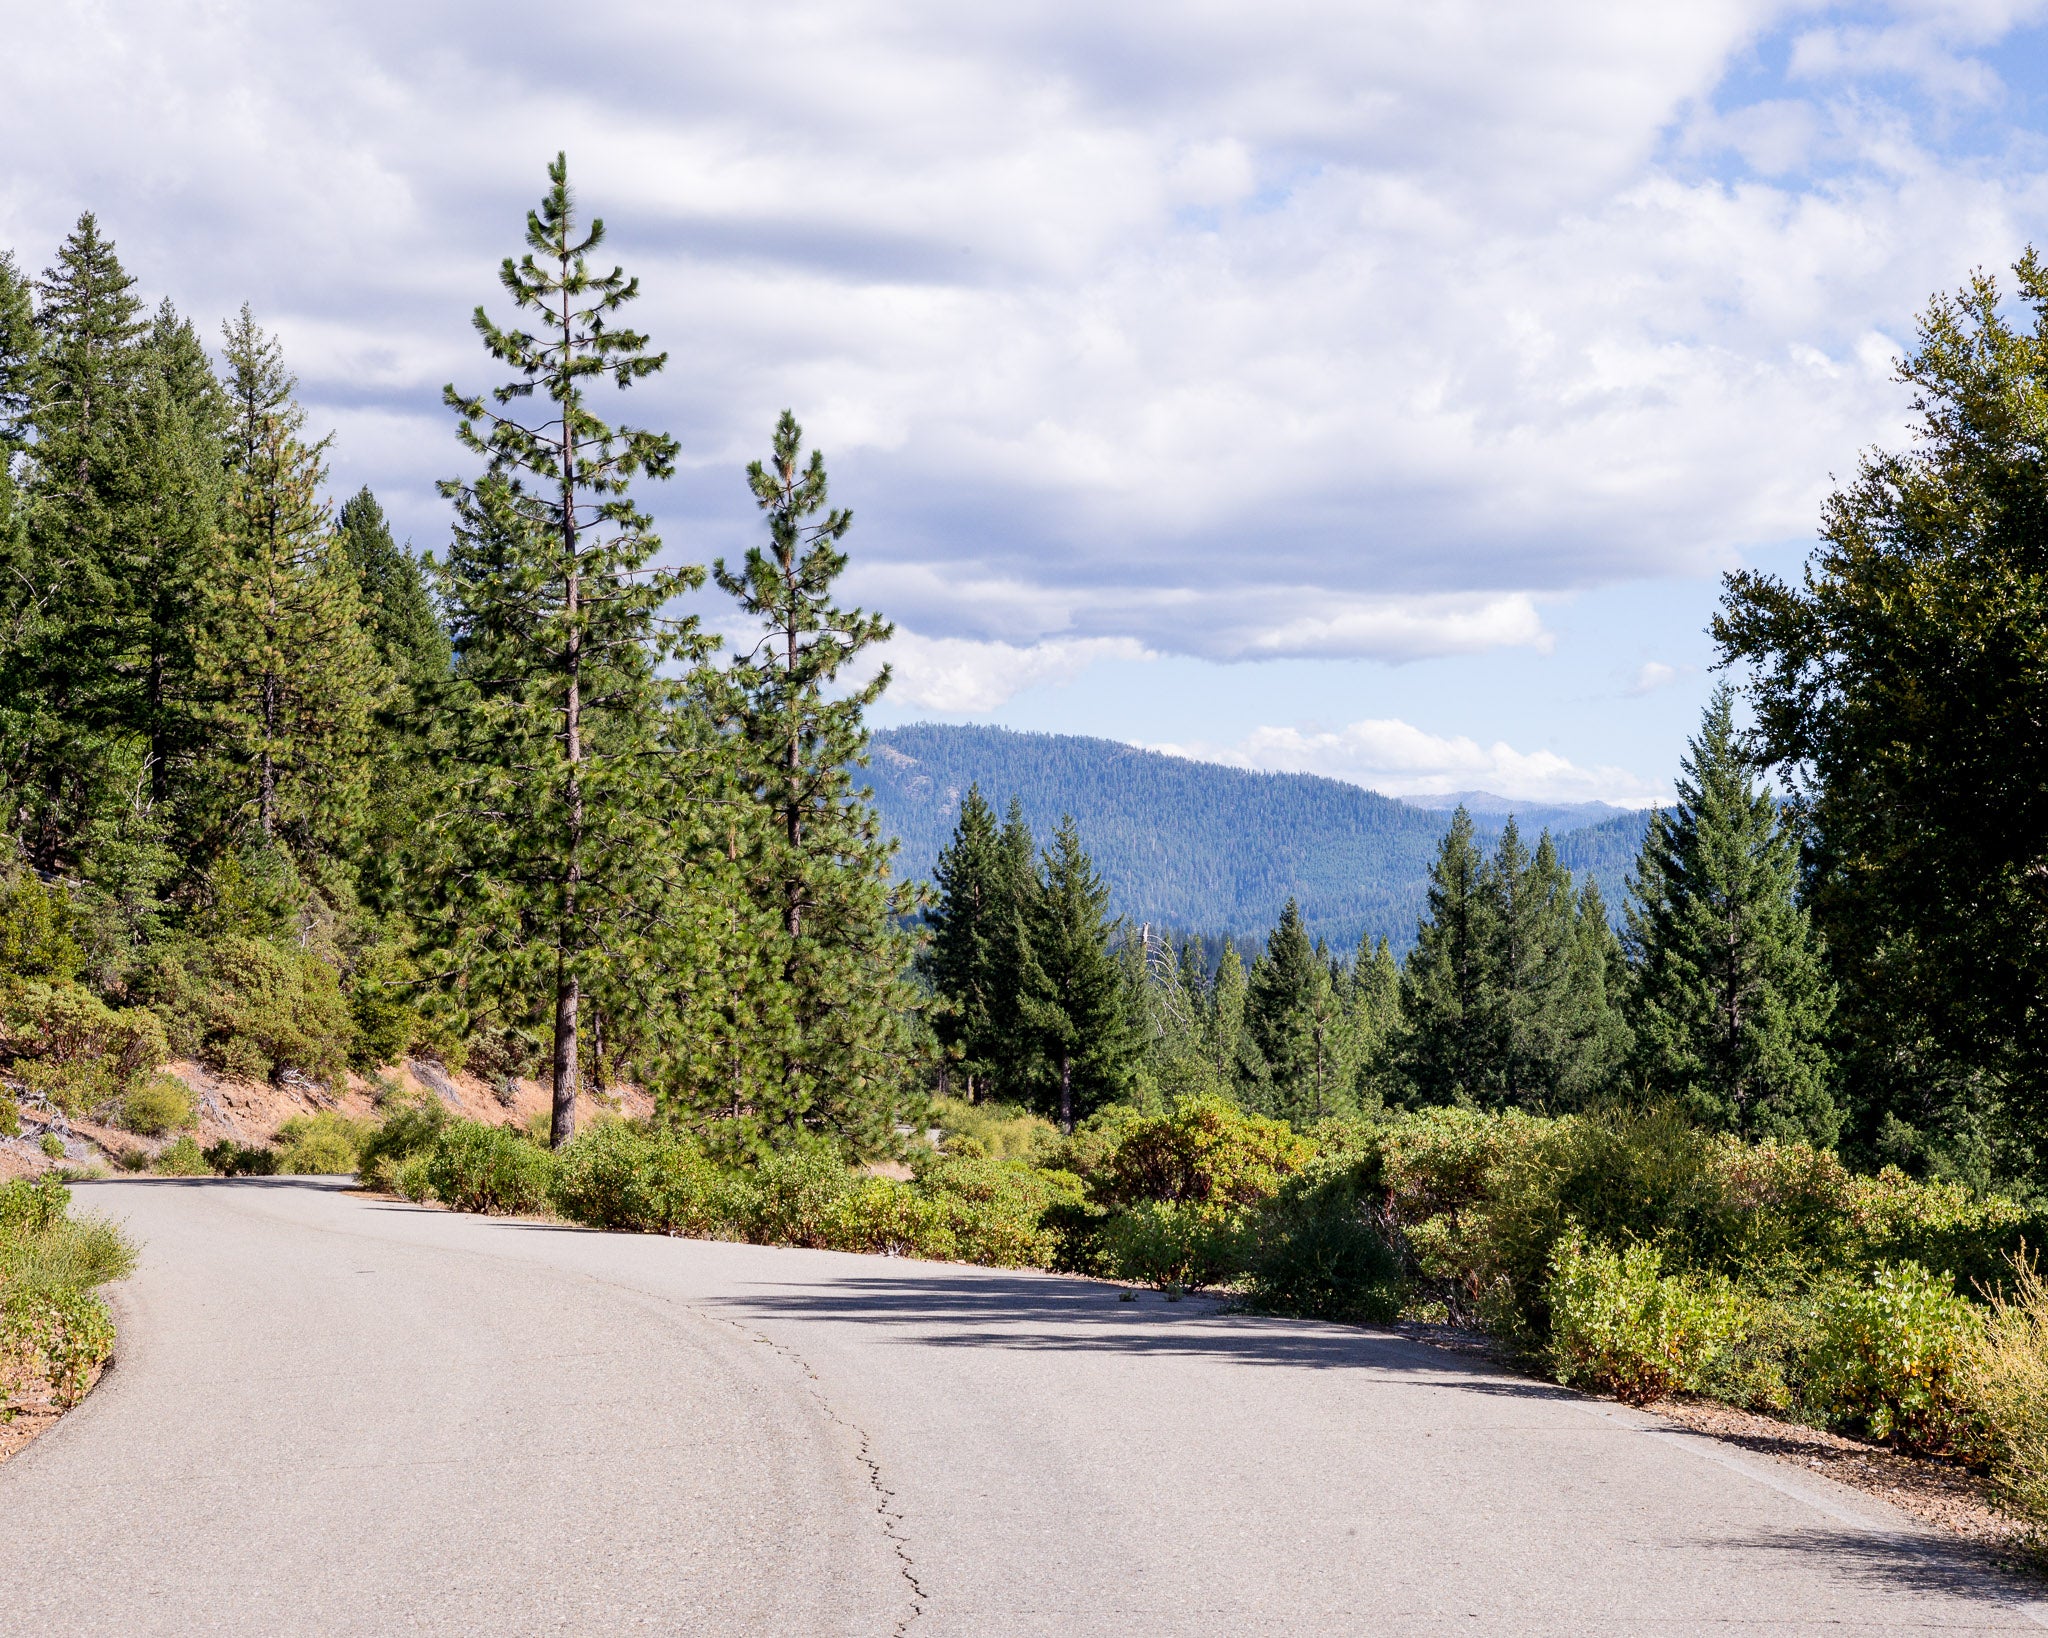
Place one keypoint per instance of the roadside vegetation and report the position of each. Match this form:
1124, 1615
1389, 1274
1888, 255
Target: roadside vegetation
55, 1331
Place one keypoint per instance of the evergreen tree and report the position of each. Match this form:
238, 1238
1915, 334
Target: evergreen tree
63, 693
1294, 1018
1448, 1050
1074, 1001
1556, 1031
1227, 1039
967, 929
1372, 999
18, 347
552, 856
294, 678
398, 609
823, 864
1731, 1003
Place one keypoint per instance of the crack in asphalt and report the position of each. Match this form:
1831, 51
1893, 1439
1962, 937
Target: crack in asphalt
885, 1498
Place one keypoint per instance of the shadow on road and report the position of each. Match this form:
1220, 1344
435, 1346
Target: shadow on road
1895, 1563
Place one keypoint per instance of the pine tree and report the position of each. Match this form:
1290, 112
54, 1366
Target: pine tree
1731, 1003
1074, 1000
1556, 1040
1448, 1050
1294, 1018
962, 960
1227, 1039
294, 679
553, 853
398, 609
1372, 999
823, 865
68, 599
18, 348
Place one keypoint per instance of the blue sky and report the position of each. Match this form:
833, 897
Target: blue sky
1342, 385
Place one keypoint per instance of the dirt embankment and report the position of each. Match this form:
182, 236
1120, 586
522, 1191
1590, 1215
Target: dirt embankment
250, 1112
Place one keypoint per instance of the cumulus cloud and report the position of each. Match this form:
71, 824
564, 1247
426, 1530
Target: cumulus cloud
1650, 676
1320, 327
1395, 757
959, 675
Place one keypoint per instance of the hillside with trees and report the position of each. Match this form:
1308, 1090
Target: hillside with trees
1212, 849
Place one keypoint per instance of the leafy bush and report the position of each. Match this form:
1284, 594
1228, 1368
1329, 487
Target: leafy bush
1002, 1131
251, 1007
53, 1328
412, 1128
1175, 1244
483, 1168
881, 1215
1320, 1248
791, 1199
999, 1213
183, 1158
52, 1145
411, 1179
232, 1159
1890, 1358
325, 1144
1620, 1325
158, 1105
623, 1175
38, 929
10, 1117
72, 1048
1203, 1152
2006, 1386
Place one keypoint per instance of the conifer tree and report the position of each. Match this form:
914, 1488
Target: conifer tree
294, 678
553, 852
1227, 1040
1448, 1050
398, 610
1294, 1019
1731, 1002
963, 959
1372, 999
823, 865
62, 691
18, 346
1556, 1033
1074, 1001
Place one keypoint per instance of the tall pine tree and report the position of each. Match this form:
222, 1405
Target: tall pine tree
822, 865
963, 960
1448, 1049
553, 853
1731, 1003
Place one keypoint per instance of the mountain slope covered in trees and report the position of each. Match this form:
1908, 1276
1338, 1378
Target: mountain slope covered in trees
1199, 846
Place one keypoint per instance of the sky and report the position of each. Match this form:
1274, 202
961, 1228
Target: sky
1359, 388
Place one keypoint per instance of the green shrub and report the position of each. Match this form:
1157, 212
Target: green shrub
1175, 1244
62, 1334
31, 1205
411, 1128
2005, 1386
881, 1215
1890, 1358
10, 1117
790, 1199
1620, 1325
52, 1145
38, 929
1003, 1131
324, 1144
412, 1179
999, 1213
232, 1159
72, 1048
483, 1168
1320, 1249
183, 1158
158, 1105
1203, 1152
624, 1175
382, 1018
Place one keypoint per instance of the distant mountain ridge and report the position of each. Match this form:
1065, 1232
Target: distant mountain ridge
1208, 848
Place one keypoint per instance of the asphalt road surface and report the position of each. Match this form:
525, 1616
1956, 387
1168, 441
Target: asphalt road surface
331, 1414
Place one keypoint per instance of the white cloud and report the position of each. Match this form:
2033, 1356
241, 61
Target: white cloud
955, 674
1650, 676
1395, 757
1325, 326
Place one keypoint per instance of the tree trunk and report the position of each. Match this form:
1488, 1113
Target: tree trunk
1066, 1093
563, 1126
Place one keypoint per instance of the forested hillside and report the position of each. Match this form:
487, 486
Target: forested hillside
1199, 846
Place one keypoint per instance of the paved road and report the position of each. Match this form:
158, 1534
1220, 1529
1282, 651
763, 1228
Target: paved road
336, 1415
